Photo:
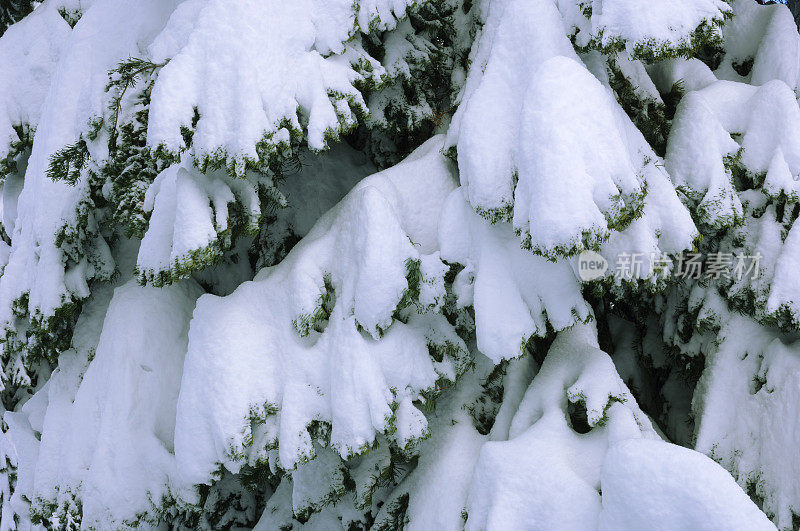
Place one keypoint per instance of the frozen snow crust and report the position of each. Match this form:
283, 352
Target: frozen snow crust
316, 264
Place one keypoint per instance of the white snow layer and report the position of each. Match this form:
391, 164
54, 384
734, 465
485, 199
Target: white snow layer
108, 32
190, 214
619, 475
654, 475
306, 332
514, 292
767, 36
107, 431
531, 110
746, 412
169, 395
701, 151
243, 98
24, 84
664, 25
275, 63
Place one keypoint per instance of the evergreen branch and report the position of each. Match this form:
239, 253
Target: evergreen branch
128, 72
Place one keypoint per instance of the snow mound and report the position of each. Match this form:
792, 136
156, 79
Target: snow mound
666, 28
691, 74
702, 153
39, 39
547, 474
516, 295
193, 217
745, 412
656, 485
337, 333
35, 277
761, 44
88, 442
784, 295
115, 453
581, 454
279, 68
542, 143
570, 186
437, 488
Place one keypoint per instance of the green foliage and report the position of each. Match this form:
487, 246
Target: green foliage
233, 501
707, 36
67, 163
130, 166
485, 408
184, 267
317, 320
66, 514
499, 214
276, 153
83, 237
123, 77
396, 515
34, 340
18, 148
653, 118
12, 11
411, 105
414, 279
587, 240
71, 17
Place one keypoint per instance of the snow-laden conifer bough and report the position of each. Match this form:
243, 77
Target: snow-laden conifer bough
314, 264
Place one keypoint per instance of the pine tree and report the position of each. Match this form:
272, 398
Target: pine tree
322, 264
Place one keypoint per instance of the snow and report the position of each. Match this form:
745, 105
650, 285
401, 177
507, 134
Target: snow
39, 38
321, 368
643, 479
778, 51
108, 32
766, 35
785, 289
637, 75
745, 412
109, 431
772, 125
665, 226
487, 123
71, 72
515, 293
190, 213
766, 119
298, 74
666, 24
49, 424
12, 187
554, 212
618, 475
22, 446
533, 111
692, 74
779, 179
439, 485
369, 388
312, 481
545, 475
